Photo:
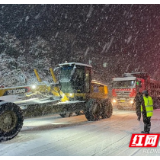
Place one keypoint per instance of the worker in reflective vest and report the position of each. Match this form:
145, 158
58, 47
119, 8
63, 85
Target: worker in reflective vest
147, 111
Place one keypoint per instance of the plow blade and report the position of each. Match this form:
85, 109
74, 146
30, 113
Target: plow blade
40, 107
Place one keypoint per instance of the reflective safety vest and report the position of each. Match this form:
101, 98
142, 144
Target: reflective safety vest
148, 102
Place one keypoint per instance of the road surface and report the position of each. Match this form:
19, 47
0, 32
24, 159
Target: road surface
75, 136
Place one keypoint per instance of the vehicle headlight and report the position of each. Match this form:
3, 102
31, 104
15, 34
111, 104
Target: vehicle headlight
131, 102
70, 94
33, 86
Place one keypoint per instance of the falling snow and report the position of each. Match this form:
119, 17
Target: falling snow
114, 39
119, 35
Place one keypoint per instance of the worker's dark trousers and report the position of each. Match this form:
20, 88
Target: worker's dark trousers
147, 122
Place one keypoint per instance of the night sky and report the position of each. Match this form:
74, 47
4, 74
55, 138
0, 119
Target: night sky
125, 37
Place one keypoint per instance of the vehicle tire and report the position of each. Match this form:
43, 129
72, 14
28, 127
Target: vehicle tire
68, 114
11, 121
92, 110
107, 109
79, 113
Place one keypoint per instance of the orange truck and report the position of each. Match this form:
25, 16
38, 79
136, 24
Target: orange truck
125, 89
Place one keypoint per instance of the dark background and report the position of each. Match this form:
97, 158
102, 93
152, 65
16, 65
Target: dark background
124, 37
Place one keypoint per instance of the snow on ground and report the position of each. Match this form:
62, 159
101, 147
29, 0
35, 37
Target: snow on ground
75, 136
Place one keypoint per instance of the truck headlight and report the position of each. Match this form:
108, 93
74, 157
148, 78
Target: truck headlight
131, 102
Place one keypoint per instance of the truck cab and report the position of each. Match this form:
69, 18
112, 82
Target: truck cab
125, 88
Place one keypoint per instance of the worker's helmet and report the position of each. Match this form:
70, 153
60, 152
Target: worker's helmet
145, 92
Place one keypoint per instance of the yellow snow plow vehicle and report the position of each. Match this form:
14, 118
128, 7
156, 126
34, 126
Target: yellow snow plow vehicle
73, 91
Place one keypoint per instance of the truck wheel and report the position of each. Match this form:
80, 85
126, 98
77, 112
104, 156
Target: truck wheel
79, 113
63, 115
92, 111
107, 109
11, 121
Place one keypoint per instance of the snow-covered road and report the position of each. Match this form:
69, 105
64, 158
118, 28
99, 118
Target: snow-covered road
75, 136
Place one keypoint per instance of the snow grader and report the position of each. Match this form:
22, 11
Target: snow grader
73, 90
